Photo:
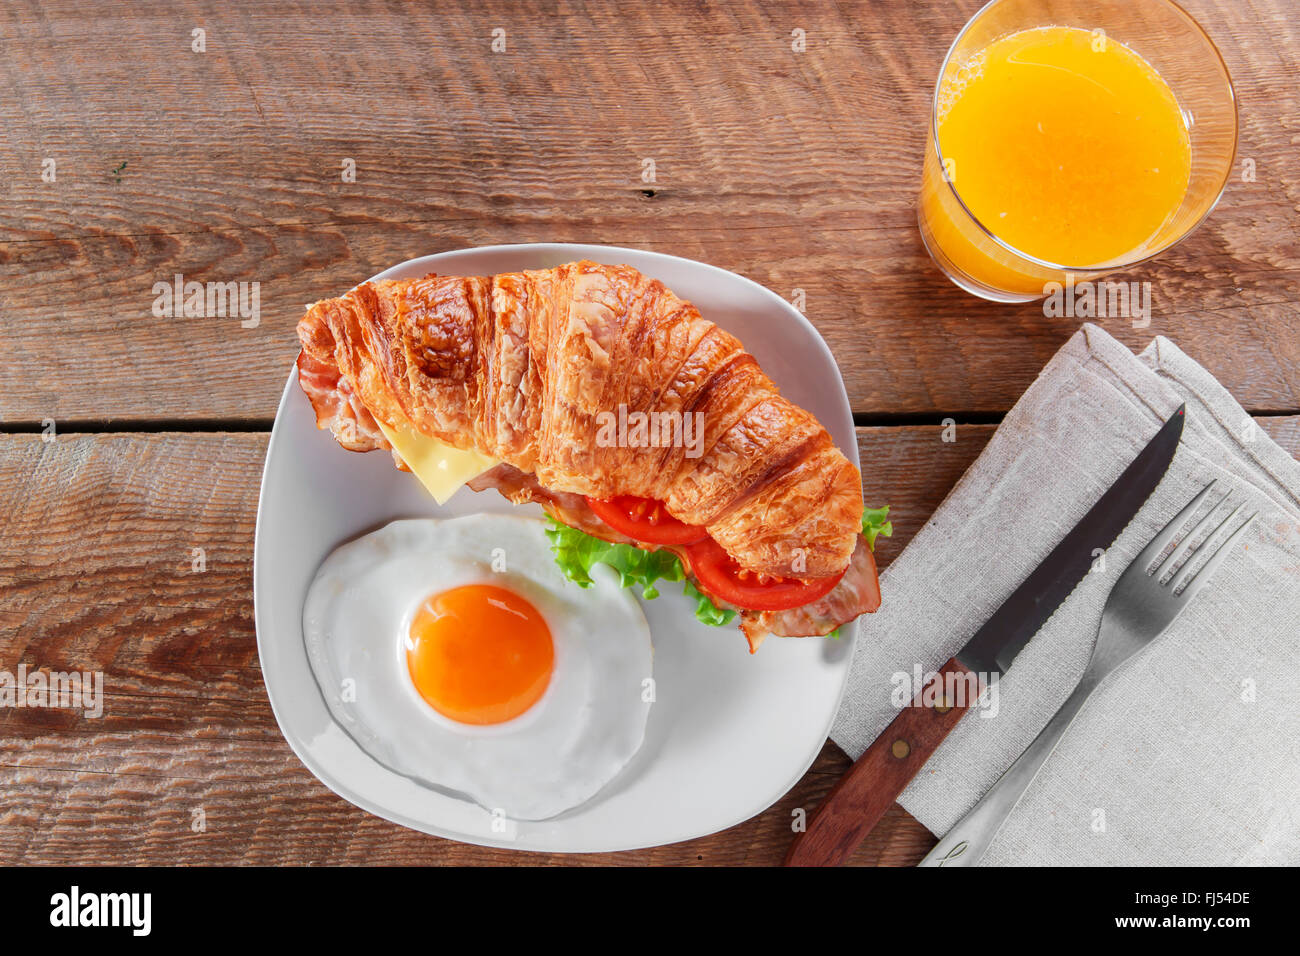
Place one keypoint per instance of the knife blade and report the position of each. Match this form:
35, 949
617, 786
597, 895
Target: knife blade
861, 797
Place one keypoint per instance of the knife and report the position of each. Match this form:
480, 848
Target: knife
861, 797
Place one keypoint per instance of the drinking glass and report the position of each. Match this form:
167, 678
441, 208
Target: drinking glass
970, 252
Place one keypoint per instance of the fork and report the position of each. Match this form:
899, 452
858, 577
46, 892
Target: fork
1141, 605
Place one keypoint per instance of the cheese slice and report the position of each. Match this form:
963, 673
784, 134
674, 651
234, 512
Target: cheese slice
441, 468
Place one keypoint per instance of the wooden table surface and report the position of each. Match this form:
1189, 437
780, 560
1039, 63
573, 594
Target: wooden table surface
129, 157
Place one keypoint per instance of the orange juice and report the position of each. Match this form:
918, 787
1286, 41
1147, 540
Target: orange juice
1065, 144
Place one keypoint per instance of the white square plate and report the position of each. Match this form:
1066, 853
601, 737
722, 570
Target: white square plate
729, 733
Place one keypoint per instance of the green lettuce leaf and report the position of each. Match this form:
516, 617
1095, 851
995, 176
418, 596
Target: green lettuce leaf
575, 553
874, 522
705, 610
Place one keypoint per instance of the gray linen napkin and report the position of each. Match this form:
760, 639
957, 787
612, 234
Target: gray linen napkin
1191, 753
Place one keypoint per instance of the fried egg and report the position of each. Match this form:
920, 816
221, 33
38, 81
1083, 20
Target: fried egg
456, 653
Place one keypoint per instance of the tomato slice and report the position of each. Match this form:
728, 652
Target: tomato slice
721, 576
645, 520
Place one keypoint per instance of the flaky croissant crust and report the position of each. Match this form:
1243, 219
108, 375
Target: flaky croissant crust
529, 366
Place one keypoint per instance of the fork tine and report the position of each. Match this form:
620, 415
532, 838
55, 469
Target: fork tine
1161, 541
1185, 572
1203, 576
1184, 548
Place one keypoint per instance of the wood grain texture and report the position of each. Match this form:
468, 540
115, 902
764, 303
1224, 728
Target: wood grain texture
96, 573
796, 169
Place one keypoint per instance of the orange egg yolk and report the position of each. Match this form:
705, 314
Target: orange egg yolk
479, 654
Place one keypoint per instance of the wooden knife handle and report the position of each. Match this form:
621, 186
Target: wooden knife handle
861, 797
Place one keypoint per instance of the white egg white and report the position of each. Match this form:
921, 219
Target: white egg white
556, 755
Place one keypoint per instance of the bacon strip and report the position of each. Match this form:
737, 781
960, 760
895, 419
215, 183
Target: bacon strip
520, 487
337, 407
857, 593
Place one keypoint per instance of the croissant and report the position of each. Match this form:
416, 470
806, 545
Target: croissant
534, 367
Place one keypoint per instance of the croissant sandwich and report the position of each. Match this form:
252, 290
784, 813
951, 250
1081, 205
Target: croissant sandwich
596, 392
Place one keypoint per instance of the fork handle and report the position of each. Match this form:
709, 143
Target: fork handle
966, 843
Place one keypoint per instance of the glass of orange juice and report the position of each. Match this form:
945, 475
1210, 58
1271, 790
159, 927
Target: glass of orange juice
1070, 139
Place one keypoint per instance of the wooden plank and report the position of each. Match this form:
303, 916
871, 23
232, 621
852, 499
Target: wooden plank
96, 572
95, 566
796, 169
